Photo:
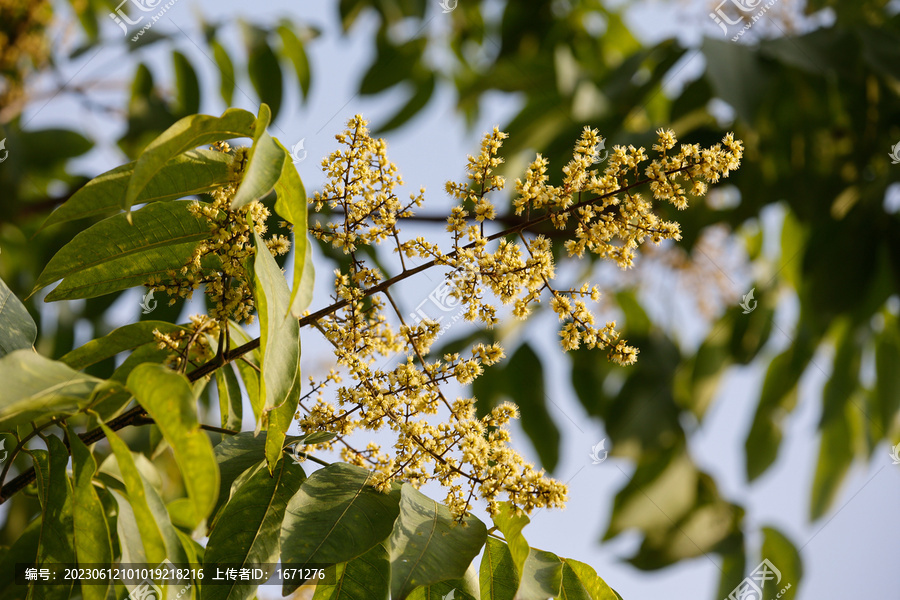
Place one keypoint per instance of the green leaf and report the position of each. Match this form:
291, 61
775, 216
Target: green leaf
779, 551
248, 367
93, 544
114, 255
366, 577
541, 577
238, 453
187, 86
887, 358
55, 492
451, 589
736, 75
35, 387
17, 328
291, 205
428, 545
152, 542
511, 525
422, 93
279, 383
292, 47
336, 517
121, 339
263, 68
777, 398
193, 172
168, 399
265, 160
226, 71
231, 403
525, 380
23, 550
184, 135
835, 458
250, 524
498, 576
581, 581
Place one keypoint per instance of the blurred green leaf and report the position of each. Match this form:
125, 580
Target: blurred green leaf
17, 328
779, 550
428, 545
263, 68
887, 374
292, 47
226, 71
187, 86
35, 387
423, 89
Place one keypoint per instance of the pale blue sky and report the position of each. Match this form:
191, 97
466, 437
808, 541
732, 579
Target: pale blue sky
850, 553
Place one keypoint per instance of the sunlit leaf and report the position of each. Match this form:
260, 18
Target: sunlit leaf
264, 164
17, 328
186, 134
169, 400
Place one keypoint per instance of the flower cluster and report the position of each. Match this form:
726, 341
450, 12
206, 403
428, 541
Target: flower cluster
189, 345
218, 262
444, 440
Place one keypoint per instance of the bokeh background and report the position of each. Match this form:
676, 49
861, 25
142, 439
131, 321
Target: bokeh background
737, 436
